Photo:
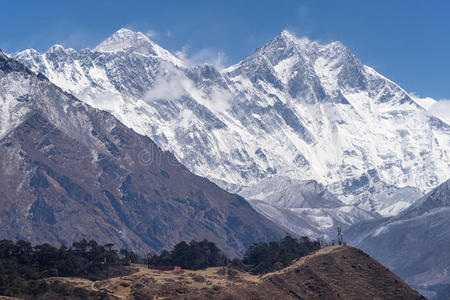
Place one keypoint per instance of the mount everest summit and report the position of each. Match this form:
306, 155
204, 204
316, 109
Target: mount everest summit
295, 110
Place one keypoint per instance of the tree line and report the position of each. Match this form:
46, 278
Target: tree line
23, 267
258, 259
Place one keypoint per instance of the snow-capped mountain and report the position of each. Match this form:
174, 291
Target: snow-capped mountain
131, 42
295, 108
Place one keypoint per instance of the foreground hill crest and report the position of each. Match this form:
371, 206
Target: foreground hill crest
330, 273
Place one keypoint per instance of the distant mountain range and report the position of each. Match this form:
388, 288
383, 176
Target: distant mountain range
70, 171
295, 108
306, 132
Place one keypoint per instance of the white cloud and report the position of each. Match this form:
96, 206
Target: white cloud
220, 99
151, 33
182, 54
203, 56
108, 101
438, 108
441, 109
174, 84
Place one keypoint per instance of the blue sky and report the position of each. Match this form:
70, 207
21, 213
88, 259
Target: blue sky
407, 41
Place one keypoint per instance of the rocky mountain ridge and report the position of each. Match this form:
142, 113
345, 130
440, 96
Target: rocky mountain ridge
295, 108
70, 171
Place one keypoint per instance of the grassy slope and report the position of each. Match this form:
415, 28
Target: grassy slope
331, 273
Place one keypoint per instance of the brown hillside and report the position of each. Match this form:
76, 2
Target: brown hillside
332, 273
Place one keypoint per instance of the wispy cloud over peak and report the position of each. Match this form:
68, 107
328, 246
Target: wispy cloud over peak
438, 108
207, 55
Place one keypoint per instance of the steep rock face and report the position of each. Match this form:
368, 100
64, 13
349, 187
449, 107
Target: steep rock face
346, 125
415, 243
295, 108
69, 171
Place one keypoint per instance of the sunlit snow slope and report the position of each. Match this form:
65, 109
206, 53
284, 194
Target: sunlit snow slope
295, 108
